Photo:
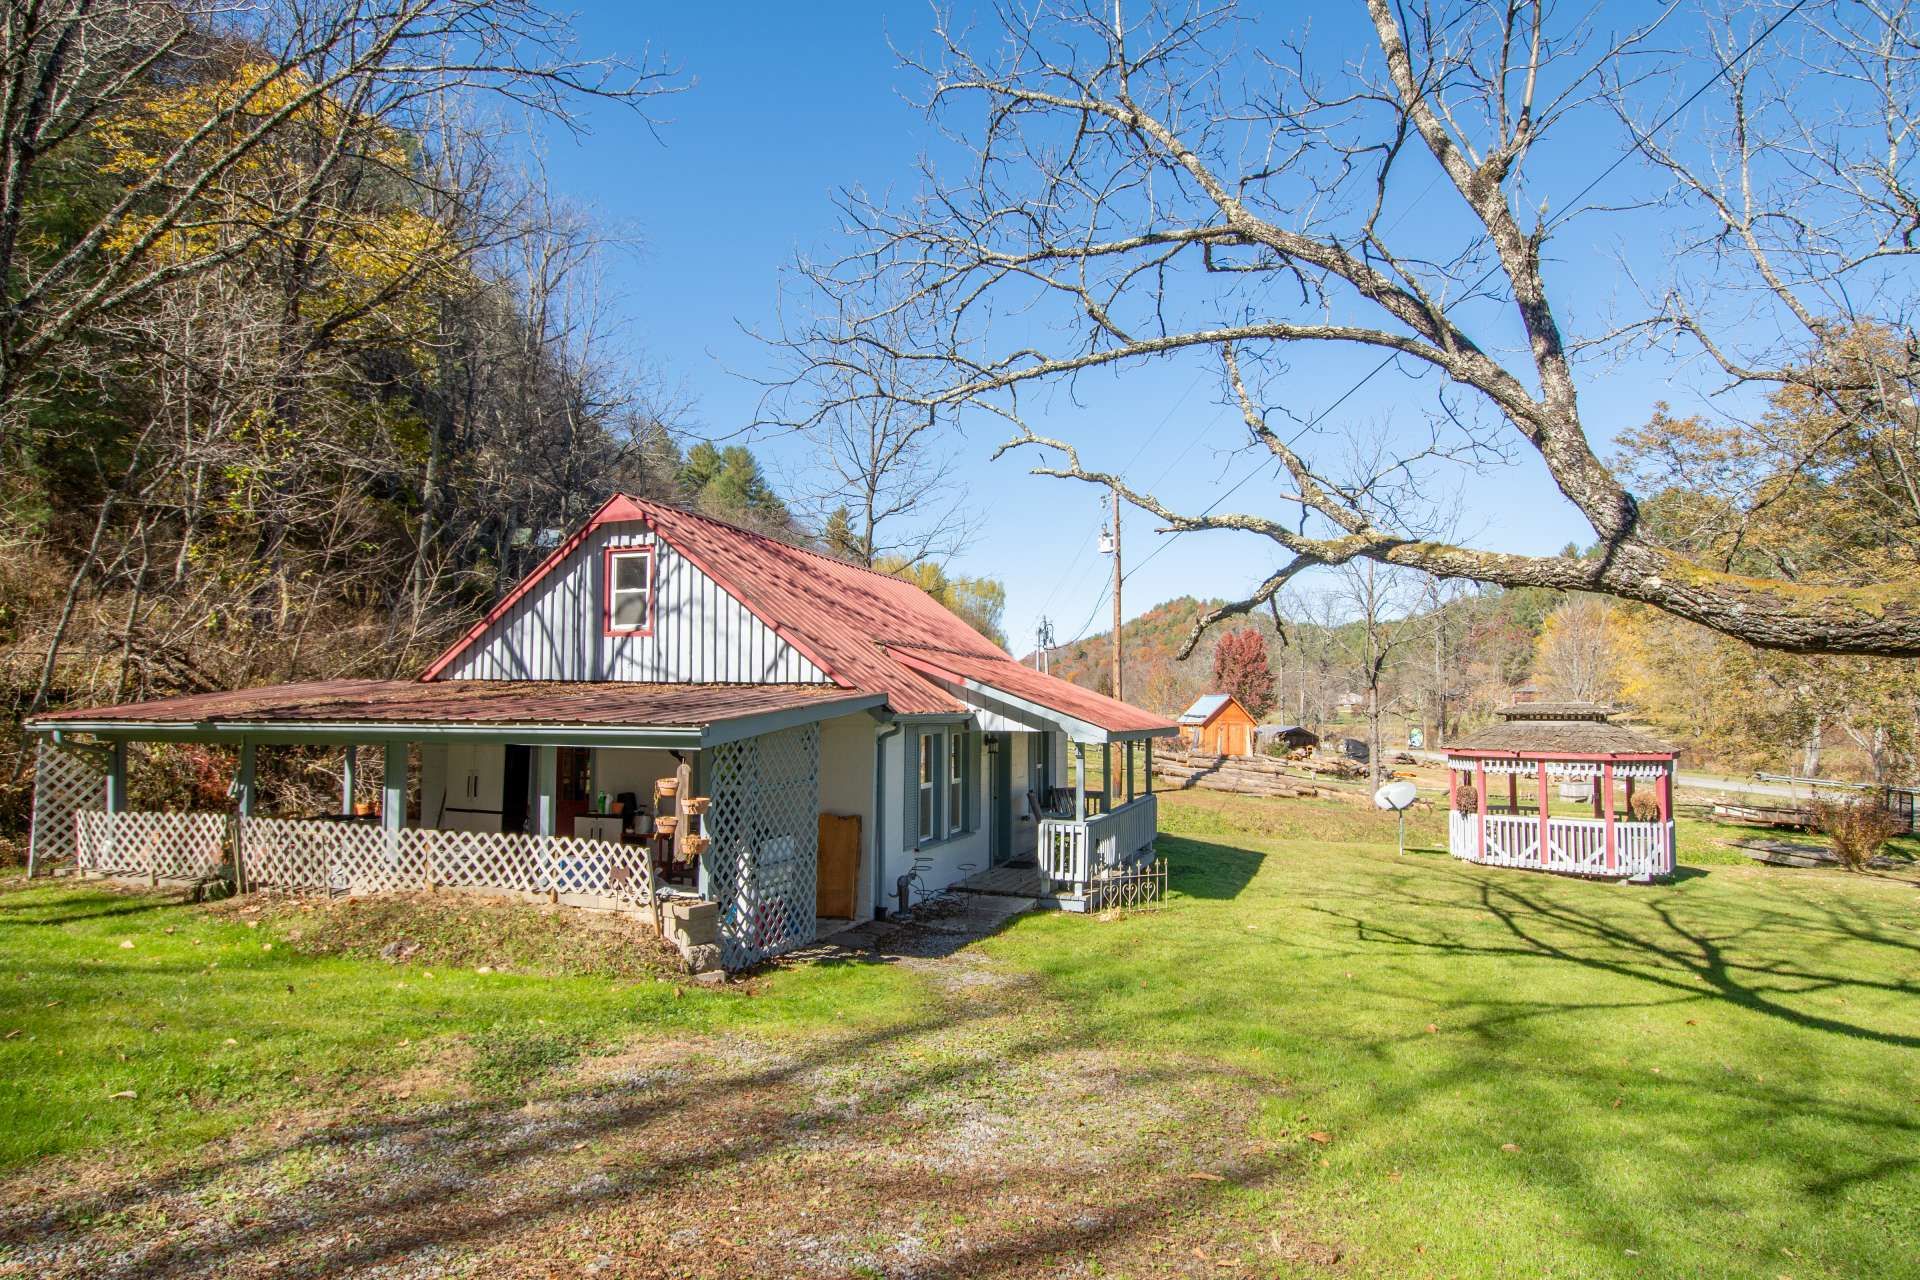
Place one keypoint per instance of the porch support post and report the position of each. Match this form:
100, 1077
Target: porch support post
1606, 796
1129, 751
117, 777
1480, 806
393, 788
243, 798
243, 786
546, 790
1106, 776
349, 778
1149, 746
1544, 860
1079, 782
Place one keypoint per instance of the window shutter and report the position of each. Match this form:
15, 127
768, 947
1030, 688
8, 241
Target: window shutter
970, 781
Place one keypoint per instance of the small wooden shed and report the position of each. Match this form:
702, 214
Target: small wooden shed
1218, 725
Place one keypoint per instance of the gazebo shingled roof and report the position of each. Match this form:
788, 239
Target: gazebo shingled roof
1561, 728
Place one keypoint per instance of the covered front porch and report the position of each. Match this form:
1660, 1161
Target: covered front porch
697, 805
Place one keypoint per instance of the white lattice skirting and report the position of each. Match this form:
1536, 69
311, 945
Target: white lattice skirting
764, 860
305, 855
309, 856
65, 781
160, 846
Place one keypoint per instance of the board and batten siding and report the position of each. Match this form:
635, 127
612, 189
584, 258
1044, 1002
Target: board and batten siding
701, 633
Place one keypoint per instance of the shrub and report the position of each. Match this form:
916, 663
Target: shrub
1857, 828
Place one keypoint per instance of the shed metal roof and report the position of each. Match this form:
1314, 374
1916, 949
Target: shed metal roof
1204, 707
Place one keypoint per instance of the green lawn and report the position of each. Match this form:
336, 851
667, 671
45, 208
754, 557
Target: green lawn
1461, 1071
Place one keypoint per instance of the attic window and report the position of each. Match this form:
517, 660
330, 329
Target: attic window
630, 591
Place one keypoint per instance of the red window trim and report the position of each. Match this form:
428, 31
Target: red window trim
653, 589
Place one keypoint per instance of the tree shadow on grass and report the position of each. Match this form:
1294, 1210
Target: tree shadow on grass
672, 1154
1201, 869
74, 917
1737, 962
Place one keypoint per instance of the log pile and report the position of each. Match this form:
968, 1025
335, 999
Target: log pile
1246, 775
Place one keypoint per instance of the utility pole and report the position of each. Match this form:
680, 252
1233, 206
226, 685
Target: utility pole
1119, 686
1043, 645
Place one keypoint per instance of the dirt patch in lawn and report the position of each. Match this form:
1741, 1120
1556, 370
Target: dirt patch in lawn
464, 931
980, 1138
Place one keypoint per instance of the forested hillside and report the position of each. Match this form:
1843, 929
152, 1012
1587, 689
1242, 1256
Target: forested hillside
1449, 663
305, 364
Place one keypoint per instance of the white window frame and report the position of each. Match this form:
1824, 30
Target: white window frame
929, 793
615, 555
956, 782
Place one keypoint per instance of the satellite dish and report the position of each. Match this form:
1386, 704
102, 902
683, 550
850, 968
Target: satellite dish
1396, 796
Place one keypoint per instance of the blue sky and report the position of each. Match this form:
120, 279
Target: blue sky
791, 102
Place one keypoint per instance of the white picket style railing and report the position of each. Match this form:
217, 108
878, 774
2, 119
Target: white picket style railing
1575, 846
1073, 854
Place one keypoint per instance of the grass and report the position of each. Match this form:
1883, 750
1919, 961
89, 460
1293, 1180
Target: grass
1530, 1074
1456, 1070
138, 1021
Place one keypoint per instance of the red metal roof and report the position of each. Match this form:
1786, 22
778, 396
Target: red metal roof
861, 626
856, 624
1023, 682
498, 702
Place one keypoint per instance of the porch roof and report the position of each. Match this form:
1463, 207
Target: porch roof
573, 712
1082, 713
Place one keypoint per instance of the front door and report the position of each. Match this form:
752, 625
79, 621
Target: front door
574, 767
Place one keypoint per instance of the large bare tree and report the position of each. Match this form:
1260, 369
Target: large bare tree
1162, 181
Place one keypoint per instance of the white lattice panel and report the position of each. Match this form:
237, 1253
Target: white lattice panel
65, 781
345, 857
170, 846
763, 863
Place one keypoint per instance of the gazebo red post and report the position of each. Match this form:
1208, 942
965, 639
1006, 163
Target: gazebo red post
1605, 795
1665, 793
1545, 860
1480, 804
1513, 793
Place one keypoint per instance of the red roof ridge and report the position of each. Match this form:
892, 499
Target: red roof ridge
761, 536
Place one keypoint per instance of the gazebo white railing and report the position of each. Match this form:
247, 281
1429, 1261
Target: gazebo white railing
1575, 846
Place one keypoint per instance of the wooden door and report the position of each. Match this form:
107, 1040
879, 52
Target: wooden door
839, 866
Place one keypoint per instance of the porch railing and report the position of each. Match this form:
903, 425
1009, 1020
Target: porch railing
1575, 846
150, 844
316, 856
1073, 853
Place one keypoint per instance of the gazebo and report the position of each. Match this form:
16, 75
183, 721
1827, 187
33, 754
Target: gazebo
1571, 751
